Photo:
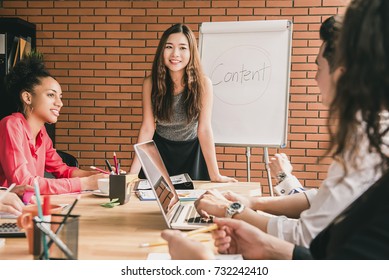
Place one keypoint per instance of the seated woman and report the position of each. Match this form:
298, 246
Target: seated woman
300, 217
26, 150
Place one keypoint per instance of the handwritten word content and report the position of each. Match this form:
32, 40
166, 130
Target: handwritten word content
244, 80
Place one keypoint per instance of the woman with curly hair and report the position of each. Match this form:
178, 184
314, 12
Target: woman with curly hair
26, 150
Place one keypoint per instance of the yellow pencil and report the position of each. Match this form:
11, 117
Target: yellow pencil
189, 233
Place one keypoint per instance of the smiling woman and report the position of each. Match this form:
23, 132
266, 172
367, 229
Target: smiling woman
26, 151
177, 106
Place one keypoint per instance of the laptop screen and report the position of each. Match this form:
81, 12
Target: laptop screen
157, 175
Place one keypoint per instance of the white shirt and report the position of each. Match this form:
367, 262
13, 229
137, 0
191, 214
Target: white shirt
336, 192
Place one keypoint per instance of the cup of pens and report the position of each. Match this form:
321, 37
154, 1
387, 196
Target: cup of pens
120, 187
61, 244
25, 221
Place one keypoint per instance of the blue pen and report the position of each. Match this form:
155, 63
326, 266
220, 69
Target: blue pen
40, 215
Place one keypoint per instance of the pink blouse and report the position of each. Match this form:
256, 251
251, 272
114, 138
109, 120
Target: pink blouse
21, 161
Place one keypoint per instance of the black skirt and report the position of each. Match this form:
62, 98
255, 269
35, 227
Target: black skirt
181, 157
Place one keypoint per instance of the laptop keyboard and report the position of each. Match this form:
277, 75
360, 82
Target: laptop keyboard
194, 217
10, 230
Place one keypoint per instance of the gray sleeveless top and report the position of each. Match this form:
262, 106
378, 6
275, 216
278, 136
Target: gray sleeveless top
177, 129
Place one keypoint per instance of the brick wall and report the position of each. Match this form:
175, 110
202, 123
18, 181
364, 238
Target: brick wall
100, 51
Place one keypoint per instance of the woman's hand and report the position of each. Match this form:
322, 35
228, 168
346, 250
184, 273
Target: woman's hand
90, 183
11, 203
280, 163
246, 201
21, 189
213, 203
223, 179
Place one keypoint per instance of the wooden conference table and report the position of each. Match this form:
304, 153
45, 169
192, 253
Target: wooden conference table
115, 233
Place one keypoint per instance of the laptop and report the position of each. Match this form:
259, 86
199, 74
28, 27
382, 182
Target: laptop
176, 214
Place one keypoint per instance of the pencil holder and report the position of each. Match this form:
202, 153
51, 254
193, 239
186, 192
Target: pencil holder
119, 187
62, 244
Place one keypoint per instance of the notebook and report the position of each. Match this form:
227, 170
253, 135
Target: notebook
176, 214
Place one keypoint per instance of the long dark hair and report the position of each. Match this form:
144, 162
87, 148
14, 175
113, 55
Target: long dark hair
362, 91
162, 89
24, 76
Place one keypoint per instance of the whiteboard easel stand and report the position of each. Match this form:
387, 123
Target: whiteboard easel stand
248, 155
266, 159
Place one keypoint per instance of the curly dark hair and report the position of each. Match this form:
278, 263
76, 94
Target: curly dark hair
362, 92
162, 88
24, 76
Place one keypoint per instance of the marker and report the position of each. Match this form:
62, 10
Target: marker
46, 213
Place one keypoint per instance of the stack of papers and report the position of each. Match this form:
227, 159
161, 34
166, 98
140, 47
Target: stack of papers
144, 192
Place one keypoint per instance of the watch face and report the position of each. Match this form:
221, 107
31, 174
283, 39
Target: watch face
235, 205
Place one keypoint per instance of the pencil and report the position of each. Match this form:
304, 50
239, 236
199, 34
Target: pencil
98, 169
162, 243
7, 191
202, 230
189, 233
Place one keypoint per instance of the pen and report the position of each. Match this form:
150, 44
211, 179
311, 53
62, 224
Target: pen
98, 169
7, 191
108, 165
40, 215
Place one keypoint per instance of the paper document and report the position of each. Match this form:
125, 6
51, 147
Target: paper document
166, 256
144, 192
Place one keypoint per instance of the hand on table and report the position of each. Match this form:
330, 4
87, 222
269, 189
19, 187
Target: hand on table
224, 179
213, 203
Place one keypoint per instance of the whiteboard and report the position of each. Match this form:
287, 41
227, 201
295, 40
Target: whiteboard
249, 65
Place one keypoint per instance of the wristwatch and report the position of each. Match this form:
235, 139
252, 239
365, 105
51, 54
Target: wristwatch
234, 208
281, 176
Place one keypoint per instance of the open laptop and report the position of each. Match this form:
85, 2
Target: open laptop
176, 214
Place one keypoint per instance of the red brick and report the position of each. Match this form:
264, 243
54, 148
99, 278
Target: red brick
14, 4
107, 75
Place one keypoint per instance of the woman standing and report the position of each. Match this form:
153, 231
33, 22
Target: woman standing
177, 107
